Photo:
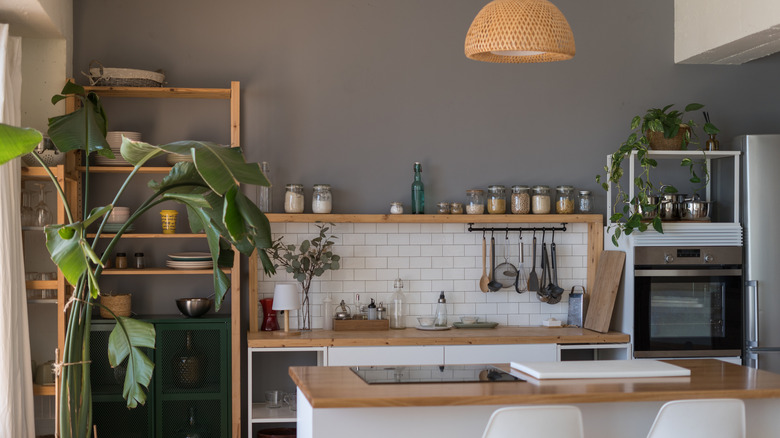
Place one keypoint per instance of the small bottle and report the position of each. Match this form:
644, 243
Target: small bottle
264, 193
712, 143
293, 198
372, 310
321, 200
496, 200
397, 302
139, 260
381, 311
396, 208
475, 201
418, 190
585, 202
397, 314
121, 260
441, 311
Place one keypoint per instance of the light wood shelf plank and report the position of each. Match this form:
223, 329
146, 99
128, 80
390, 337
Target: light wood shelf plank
162, 271
43, 389
150, 236
125, 169
436, 218
163, 92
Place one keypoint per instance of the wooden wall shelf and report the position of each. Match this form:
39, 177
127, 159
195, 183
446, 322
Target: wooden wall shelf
437, 218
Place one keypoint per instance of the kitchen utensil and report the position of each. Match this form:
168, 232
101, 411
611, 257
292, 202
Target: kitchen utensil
578, 305
426, 321
533, 280
493, 285
484, 280
194, 307
469, 319
505, 273
605, 288
695, 209
273, 398
650, 211
555, 292
542, 292
521, 280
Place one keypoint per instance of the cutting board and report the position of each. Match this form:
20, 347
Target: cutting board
603, 369
605, 288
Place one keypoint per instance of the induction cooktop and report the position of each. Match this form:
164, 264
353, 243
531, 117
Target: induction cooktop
433, 374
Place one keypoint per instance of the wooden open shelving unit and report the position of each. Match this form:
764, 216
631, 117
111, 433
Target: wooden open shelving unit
595, 223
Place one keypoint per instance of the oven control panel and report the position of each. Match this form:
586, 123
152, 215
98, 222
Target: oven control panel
665, 255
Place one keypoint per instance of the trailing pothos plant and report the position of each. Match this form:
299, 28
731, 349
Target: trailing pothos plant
208, 187
627, 212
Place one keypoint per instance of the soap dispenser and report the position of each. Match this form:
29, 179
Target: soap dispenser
441, 311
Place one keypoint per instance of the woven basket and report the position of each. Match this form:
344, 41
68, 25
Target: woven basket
119, 304
123, 77
658, 142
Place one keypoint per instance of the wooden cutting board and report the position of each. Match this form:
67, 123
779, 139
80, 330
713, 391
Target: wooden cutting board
605, 288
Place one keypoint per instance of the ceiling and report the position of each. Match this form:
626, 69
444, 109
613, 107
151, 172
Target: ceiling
30, 19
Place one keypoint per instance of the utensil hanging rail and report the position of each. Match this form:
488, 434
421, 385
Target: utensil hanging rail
516, 229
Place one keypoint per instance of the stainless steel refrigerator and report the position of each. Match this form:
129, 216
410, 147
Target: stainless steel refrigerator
760, 215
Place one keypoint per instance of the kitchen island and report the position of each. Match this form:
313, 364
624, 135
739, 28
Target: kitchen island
334, 401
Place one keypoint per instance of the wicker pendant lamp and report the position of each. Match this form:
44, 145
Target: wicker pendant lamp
515, 31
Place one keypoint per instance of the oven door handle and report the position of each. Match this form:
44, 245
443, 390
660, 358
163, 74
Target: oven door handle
687, 272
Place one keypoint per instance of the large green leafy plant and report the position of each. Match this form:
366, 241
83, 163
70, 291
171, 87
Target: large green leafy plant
627, 215
208, 187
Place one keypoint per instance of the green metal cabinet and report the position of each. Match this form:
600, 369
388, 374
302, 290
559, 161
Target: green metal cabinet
191, 380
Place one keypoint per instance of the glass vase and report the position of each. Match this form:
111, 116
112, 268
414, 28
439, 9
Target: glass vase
304, 313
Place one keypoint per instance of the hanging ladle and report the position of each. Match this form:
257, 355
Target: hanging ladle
493, 285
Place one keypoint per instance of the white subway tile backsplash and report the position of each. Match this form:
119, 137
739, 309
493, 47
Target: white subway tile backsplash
431, 258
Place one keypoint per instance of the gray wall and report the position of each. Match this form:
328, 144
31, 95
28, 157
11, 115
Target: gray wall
351, 92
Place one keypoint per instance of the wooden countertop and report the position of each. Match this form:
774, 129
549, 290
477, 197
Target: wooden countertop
411, 336
339, 387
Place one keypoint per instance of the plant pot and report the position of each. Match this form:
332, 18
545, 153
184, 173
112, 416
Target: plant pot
658, 142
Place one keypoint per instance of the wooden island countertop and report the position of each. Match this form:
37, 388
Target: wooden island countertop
411, 336
339, 387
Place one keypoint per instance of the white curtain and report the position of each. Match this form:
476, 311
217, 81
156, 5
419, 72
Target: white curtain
17, 418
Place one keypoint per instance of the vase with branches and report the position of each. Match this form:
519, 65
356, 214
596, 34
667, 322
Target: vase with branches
311, 259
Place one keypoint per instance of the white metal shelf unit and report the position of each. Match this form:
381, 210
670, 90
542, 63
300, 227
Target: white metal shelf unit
708, 156
258, 411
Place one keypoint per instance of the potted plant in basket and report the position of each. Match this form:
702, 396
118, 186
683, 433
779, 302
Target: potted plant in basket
310, 259
649, 132
208, 187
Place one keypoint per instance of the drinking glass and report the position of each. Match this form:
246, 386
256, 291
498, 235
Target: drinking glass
27, 212
42, 214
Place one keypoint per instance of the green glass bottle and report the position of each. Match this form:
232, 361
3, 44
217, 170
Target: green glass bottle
418, 190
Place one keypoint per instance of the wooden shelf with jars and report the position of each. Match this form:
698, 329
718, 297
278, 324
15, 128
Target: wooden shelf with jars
232, 95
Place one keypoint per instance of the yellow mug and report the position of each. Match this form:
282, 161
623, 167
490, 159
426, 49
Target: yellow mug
168, 221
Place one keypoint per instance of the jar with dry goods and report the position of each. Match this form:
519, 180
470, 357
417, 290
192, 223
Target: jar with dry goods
521, 199
585, 202
564, 200
443, 208
456, 208
396, 208
475, 201
496, 202
293, 198
321, 199
540, 200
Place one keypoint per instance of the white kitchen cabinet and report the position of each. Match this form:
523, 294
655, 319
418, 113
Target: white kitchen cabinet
487, 354
386, 355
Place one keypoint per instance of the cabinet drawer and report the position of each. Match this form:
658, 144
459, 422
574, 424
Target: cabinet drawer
401, 355
485, 354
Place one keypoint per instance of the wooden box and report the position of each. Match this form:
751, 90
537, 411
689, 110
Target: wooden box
360, 324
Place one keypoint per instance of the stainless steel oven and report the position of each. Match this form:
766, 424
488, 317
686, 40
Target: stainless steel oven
688, 301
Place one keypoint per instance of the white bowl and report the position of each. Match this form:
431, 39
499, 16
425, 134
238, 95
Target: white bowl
469, 319
426, 321
114, 138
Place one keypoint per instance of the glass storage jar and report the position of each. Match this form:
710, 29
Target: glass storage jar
585, 202
496, 201
521, 200
540, 200
456, 208
443, 208
293, 198
396, 208
564, 200
321, 200
475, 201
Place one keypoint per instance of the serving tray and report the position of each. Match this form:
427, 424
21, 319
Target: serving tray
480, 325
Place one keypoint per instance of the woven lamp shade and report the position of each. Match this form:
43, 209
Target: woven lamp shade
518, 31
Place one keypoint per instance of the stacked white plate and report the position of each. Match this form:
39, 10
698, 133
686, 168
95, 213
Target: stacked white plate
190, 260
172, 159
114, 139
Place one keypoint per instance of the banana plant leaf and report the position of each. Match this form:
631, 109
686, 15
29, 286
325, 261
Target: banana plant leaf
83, 129
125, 341
15, 142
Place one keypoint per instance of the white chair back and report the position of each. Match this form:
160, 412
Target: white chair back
555, 421
706, 418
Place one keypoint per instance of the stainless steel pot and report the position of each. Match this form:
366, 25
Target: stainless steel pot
650, 213
695, 209
669, 210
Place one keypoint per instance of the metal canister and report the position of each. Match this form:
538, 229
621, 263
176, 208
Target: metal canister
381, 311
578, 305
